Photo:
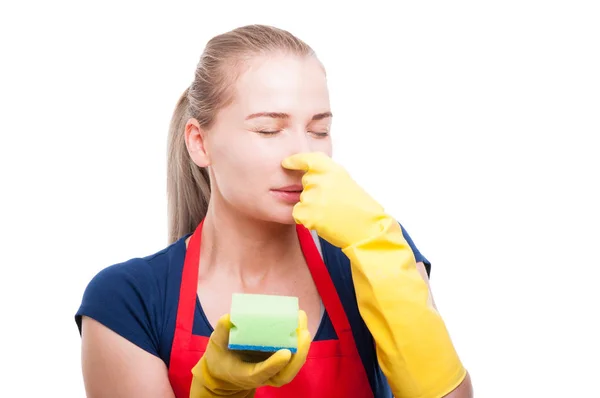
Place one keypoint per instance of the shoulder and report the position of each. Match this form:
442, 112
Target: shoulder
130, 297
419, 257
137, 278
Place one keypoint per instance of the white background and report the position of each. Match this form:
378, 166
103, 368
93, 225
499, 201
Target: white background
475, 123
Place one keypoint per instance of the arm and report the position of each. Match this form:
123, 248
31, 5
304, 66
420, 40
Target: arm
413, 347
120, 319
465, 388
116, 368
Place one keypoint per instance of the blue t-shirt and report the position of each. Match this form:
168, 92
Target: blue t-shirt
138, 300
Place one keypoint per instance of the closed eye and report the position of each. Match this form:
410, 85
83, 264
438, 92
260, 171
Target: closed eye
268, 132
321, 134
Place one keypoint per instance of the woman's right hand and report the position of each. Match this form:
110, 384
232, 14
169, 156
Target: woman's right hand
222, 372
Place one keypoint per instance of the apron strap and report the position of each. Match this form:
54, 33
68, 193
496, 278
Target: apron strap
188, 290
327, 291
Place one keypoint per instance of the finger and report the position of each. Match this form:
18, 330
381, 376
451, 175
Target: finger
290, 371
249, 375
263, 371
308, 214
220, 336
301, 214
314, 161
313, 198
309, 182
302, 320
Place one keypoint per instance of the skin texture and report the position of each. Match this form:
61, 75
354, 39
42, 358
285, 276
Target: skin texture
255, 249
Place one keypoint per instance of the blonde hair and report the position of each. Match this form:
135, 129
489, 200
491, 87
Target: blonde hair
188, 186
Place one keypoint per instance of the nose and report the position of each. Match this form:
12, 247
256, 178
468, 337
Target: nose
299, 142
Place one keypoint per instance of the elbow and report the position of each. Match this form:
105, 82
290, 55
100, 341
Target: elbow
463, 390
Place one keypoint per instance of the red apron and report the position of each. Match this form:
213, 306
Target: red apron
332, 369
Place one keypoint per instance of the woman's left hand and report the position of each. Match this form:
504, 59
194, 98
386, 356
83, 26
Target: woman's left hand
413, 346
332, 203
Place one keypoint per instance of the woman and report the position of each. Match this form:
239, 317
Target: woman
256, 205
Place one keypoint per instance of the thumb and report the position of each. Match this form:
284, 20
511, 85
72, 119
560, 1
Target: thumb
263, 371
312, 161
220, 335
288, 373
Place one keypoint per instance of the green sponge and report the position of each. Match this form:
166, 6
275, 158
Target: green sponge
263, 323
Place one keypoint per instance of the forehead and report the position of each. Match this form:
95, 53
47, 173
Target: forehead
283, 83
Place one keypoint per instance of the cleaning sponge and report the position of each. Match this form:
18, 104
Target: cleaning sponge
263, 322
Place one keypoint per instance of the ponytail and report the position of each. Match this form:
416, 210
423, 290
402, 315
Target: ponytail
188, 186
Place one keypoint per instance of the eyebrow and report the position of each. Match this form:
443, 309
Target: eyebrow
280, 115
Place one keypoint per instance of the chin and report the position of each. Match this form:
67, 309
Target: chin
280, 215
284, 219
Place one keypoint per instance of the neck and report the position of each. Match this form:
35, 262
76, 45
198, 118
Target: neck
245, 246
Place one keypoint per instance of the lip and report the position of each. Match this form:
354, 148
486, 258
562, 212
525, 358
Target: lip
290, 194
290, 188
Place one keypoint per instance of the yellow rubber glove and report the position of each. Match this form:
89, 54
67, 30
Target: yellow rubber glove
223, 373
413, 346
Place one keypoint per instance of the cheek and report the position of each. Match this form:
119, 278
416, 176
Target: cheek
244, 162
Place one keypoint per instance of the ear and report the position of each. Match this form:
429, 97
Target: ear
195, 143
